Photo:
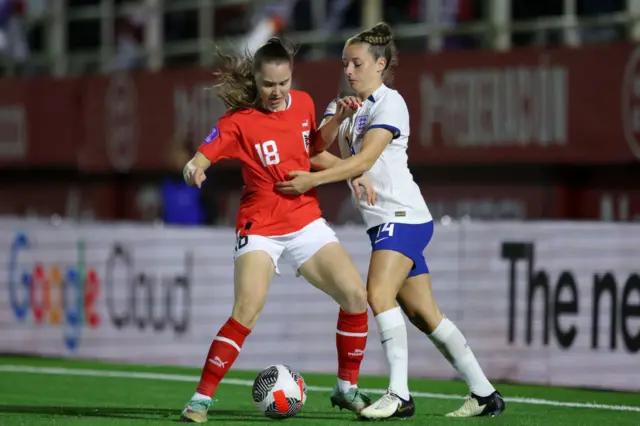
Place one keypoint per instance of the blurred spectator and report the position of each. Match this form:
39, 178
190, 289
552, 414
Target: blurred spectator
148, 203
13, 37
276, 15
337, 14
448, 14
182, 204
129, 38
600, 34
268, 22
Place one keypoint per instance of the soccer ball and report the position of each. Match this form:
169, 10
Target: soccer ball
278, 392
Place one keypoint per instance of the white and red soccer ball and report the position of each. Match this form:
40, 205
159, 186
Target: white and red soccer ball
279, 392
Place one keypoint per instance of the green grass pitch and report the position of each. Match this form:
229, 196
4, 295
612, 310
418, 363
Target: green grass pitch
36, 391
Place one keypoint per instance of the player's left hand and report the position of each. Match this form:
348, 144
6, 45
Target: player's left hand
367, 184
347, 107
302, 182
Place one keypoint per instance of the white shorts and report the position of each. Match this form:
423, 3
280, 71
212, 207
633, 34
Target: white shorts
295, 248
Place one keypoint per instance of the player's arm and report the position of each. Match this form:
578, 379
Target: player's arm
324, 160
193, 171
328, 132
337, 111
384, 126
222, 142
386, 122
375, 141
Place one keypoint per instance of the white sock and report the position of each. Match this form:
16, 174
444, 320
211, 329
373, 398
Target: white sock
393, 335
199, 397
345, 385
452, 344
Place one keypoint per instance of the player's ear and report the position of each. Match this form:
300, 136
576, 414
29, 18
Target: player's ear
381, 64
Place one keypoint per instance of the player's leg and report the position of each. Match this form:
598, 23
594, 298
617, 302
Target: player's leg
387, 271
395, 249
253, 271
320, 259
417, 301
332, 271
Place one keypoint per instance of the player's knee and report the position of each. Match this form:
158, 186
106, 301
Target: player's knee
380, 300
355, 299
246, 312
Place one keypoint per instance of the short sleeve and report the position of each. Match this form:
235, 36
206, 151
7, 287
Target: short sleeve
311, 135
391, 113
312, 115
329, 111
222, 142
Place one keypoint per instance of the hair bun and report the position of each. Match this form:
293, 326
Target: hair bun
274, 40
379, 35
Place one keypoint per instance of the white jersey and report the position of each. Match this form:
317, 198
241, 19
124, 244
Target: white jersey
398, 197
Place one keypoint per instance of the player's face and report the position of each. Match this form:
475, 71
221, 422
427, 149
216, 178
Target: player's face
274, 84
363, 72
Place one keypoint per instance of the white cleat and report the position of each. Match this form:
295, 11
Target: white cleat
476, 406
389, 406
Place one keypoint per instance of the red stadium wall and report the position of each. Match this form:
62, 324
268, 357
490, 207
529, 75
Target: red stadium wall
532, 133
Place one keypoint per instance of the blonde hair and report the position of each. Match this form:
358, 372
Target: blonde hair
237, 84
381, 45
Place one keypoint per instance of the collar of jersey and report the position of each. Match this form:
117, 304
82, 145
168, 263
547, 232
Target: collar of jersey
376, 93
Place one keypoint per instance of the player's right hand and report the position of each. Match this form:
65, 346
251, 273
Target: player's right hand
199, 177
347, 107
194, 175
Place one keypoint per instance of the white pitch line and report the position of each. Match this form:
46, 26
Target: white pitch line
61, 371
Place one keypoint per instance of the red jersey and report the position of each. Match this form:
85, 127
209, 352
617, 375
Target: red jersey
269, 145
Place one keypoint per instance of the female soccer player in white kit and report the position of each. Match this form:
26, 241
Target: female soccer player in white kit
373, 133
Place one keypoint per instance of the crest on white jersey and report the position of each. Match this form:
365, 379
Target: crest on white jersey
361, 123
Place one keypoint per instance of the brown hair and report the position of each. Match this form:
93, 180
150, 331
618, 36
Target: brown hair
381, 45
237, 87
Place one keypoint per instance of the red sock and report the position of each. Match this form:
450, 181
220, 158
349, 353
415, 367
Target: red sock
351, 340
223, 351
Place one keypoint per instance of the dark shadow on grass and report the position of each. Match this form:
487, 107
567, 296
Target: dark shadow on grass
132, 413
136, 413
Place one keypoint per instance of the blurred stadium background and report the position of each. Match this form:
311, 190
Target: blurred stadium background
525, 126
521, 110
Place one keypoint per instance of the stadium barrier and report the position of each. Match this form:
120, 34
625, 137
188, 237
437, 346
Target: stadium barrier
529, 106
553, 303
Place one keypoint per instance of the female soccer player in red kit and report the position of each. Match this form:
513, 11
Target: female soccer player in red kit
270, 129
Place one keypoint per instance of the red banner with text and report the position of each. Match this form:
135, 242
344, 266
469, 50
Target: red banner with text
541, 106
